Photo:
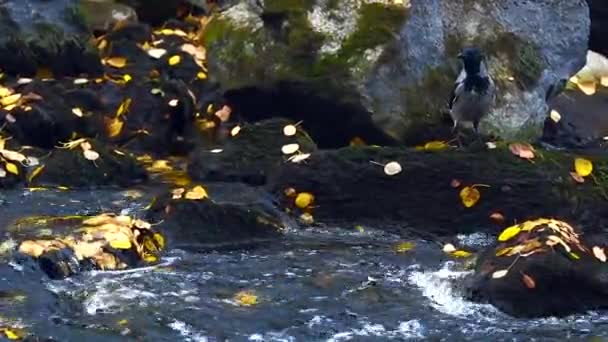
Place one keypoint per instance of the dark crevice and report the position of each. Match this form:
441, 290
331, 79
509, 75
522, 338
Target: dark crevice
330, 123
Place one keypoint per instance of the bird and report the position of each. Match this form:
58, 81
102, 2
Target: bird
474, 91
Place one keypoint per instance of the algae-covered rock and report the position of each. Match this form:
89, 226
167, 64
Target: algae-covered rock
45, 34
398, 60
250, 153
540, 268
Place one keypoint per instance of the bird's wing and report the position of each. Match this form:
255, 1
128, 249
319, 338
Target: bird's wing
458, 88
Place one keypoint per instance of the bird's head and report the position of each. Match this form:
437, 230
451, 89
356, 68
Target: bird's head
472, 58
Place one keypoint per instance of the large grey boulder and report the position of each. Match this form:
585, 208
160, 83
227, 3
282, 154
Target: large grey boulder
396, 59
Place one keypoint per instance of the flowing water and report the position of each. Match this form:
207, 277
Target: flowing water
314, 285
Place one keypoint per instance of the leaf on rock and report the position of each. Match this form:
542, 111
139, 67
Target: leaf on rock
10, 100
469, 196
116, 62
121, 244
304, 200
522, 150
577, 178
114, 127
500, 274
509, 233
290, 148
392, 168
583, 167
175, 60
12, 168
197, 193
156, 53
528, 281
290, 130
599, 253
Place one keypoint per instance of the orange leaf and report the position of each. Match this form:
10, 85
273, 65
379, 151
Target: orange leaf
116, 62
455, 183
577, 178
528, 281
497, 217
522, 150
469, 196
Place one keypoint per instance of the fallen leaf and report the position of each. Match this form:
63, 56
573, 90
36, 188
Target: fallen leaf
503, 251
455, 183
90, 155
392, 168
121, 244
461, 254
299, 157
175, 60
449, 248
436, 146
12, 168
79, 81
497, 217
599, 253
491, 145
588, 88
201, 75
583, 167
304, 200
528, 281
78, 112
35, 173
156, 53
173, 103
245, 298
290, 130
178, 193
307, 219
235, 131
522, 150
555, 116
197, 193
509, 233
10, 100
290, 148
24, 80
403, 247
499, 274
123, 108
577, 178
116, 62
114, 127
469, 196
223, 114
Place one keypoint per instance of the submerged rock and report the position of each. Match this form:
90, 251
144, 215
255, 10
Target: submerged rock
191, 220
45, 35
250, 153
397, 61
543, 267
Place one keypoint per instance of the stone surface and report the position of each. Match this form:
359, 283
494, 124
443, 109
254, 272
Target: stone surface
548, 268
398, 62
45, 34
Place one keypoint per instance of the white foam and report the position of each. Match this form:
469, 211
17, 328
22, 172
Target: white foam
187, 331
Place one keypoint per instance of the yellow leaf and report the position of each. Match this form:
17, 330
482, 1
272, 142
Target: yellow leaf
436, 146
509, 233
175, 60
120, 244
574, 255
12, 334
197, 193
124, 107
116, 62
4, 92
503, 251
469, 196
127, 78
157, 53
201, 75
304, 199
150, 258
10, 100
404, 247
461, 254
114, 127
246, 298
159, 239
583, 167
12, 168
35, 173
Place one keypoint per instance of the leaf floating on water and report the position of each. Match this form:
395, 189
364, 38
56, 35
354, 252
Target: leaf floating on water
173, 103
235, 131
436, 146
574, 255
298, 158
246, 298
499, 274
79, 81
583, 167
449, 248
114, 127
10, 100
304, 200
461, 254
37, 171
392, 168
509, 233
197, 193
78, 112
290, 148
599, 253
223, 114
91, 155
528, 281
12, 168
588, 88
503, 251
555, 116
577, 178
491, 145
497, 217
201, 75
469, 196
13, 334
403, 247
290, 130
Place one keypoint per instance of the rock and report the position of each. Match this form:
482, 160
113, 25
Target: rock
105, 167
102, 15
397, 62
210, 223
351, 186
548, 268
599, 29
76, 244
577, 117
45, 35
250, 155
